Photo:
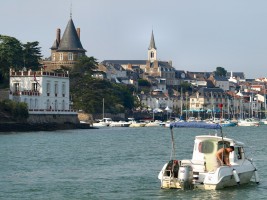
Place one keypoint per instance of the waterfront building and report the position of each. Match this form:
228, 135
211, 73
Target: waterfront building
46, 94
208, 99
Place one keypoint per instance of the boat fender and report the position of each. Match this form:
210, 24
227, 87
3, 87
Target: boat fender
237, 180
257, 178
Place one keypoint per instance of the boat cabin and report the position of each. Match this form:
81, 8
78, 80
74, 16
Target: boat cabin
205, 149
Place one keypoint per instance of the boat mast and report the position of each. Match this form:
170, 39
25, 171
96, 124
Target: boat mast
103, 108
264, 101
181, 100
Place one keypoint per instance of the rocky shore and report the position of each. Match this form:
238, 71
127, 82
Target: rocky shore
26, 127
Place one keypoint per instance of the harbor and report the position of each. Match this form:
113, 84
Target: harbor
111, 163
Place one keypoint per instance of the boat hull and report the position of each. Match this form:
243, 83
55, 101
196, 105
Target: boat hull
223, 177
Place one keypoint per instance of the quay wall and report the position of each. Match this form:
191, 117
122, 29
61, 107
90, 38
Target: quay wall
53, 118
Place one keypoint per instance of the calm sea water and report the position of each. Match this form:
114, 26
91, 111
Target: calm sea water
111, 163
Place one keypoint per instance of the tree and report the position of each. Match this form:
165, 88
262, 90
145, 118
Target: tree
10, 56
31, 55
17, 55
185, 86
220, 71
85, 65
144, 83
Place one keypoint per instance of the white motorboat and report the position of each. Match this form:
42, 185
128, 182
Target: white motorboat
202, 171
120, 124
135, 124
248, 122
263, 121
103, 122
153, 123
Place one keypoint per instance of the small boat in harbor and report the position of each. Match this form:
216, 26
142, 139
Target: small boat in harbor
120, 124
153, 123
135, 124
227, 123
248, 122
203, 171
102, 122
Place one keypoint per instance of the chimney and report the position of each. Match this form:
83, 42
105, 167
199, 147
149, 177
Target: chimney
58, 35
78, 32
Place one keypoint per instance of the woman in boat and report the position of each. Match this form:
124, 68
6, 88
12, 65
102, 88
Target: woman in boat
222, 155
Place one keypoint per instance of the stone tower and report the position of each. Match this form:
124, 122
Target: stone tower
66, 50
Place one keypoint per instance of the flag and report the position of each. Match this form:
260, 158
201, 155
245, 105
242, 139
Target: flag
34, 78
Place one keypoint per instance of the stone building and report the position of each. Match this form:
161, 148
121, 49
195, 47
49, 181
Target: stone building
65, 51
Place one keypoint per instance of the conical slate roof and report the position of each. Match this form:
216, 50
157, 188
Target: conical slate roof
55, 45
70, 40
152, 42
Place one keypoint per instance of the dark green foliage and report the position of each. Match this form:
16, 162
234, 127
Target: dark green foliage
17, 55
17, 110
85, 65
31, 55
220, 71
88, 94
10, 55
142, 82
185, 86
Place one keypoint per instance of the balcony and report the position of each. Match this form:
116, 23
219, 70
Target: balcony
25, 93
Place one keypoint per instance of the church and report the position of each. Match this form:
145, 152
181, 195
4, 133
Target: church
151, 69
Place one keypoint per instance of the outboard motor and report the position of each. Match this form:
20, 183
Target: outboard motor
185, 177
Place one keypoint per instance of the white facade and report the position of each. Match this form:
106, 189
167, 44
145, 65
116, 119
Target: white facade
44, 92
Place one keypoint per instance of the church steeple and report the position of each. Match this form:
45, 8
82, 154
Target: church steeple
152, 42
152, 50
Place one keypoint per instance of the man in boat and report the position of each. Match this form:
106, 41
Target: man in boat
222, 155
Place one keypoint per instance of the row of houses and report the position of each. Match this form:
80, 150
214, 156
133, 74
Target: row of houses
48, 92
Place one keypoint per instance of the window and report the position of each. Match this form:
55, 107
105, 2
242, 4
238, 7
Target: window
239, 153
31, 104
206, 147
55, 104
36, 104
63, 89
63, 105
48, 107
70, 56
53, 57
34, 86
56, 88
152, 54
61, 56
16, 85
48, 88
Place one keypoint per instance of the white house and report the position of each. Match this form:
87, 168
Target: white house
44, 92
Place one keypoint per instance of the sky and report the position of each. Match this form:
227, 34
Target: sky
196, 35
